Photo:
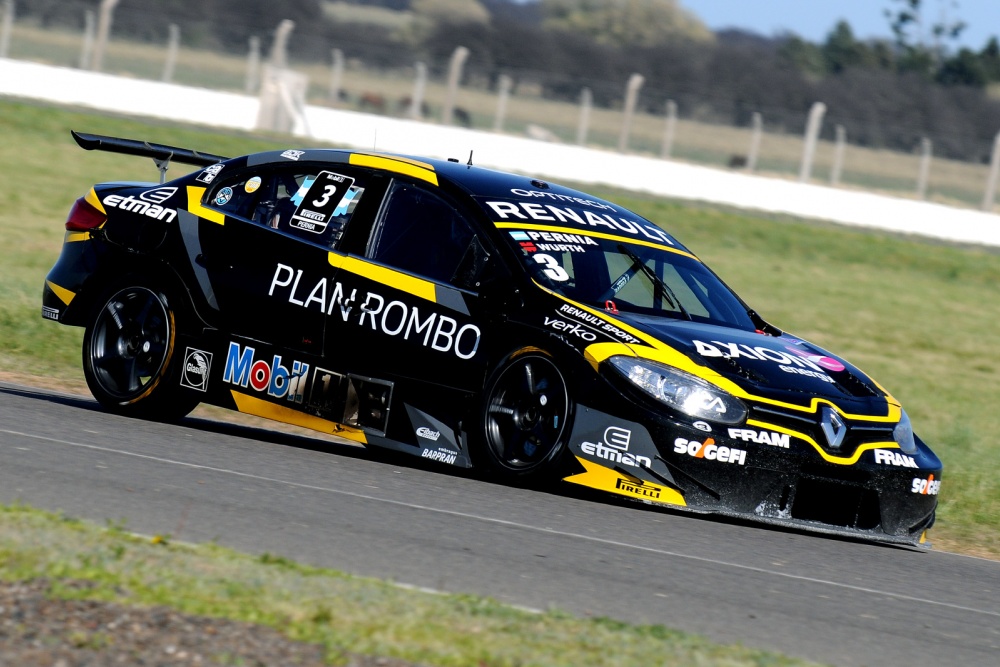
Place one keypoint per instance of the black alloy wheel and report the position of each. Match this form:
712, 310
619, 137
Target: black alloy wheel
526, 415
129, 355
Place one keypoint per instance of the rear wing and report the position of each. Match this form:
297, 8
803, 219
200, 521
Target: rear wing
161, 154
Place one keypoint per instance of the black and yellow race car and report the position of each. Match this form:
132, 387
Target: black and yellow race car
474, 318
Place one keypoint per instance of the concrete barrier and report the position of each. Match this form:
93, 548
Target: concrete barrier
510, 153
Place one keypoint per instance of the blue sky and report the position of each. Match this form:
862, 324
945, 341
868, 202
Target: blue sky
813, 19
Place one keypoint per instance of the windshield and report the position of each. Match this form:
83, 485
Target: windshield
619, 274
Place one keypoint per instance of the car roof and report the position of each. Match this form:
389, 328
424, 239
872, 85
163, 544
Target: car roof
476, 181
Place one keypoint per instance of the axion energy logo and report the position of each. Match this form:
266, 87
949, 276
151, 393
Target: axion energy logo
275, 378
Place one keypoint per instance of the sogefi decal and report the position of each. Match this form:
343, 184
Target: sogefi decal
197, 367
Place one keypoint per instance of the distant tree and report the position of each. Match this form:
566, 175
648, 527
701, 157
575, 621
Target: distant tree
625, 22
989, 57
842, 51
805, 56
964, 69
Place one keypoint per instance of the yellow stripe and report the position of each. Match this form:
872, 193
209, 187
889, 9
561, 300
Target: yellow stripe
599, 235
399, 165
194, 205
73, 237
605, 479
64, 294
261, 408
839, 460
92, 199
418, 287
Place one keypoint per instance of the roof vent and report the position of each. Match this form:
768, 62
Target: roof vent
453, 159
540, 184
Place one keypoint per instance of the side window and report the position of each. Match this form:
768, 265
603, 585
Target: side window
421, 233
313, 204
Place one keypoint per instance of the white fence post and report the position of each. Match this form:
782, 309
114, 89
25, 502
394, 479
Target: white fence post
454, 75
103, 32
419, 86
279, 50
8, 24
991, 183
668, 130
838, 156
586, 102
926, 154
812, 135
253, 66
87, 51
504, 84
631, 95
173, 44
336, 76
757, 129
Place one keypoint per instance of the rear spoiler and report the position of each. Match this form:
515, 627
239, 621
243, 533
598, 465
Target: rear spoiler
161, 154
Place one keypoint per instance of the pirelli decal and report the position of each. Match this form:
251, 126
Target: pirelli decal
605, 479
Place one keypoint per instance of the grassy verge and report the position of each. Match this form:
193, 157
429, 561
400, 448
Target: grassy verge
339, 611
918, 316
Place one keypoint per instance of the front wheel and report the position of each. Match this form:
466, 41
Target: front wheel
129, 356
525, 416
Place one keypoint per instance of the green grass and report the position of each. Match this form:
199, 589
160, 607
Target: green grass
339, 611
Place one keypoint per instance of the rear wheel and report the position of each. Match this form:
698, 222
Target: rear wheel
129, 355
525, 416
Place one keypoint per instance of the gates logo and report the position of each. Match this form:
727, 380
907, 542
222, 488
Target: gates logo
242, 370
197, 367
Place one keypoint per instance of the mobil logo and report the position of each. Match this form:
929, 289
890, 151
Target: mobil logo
275, 378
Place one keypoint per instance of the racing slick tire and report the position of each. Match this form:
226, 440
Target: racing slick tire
525, 417
130, 359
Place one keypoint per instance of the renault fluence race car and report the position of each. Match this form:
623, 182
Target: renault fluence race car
474, 318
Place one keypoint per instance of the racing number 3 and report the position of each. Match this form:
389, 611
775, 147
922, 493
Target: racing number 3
552, 268
328, 191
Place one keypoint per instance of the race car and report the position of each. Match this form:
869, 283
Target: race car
476, 319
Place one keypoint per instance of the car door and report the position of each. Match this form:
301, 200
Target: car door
268, 260
410, 301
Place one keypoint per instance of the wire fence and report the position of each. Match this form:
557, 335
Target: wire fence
521, 105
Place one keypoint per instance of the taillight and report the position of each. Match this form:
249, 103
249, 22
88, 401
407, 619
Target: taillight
84, 216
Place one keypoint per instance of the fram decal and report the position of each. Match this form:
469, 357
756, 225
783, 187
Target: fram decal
890, 458
710, 451
761, 437
275, 378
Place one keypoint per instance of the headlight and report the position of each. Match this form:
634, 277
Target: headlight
903, 433
681, 391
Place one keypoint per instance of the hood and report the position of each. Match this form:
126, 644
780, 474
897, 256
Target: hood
760, 363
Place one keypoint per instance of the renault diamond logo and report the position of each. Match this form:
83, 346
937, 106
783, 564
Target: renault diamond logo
833, 427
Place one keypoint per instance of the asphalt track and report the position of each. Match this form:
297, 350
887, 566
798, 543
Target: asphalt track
817, 597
